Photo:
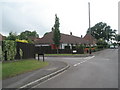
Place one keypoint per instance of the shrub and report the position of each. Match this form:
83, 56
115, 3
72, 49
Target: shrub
9, 48
21, 53
23, 41
0, 53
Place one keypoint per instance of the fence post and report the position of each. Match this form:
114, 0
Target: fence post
5, 56
43, 57
38, 57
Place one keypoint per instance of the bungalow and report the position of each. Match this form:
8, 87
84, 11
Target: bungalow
2, 37
66, 40
90, 39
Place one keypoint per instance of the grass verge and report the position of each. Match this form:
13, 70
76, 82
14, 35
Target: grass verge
61, 54
0, 70
10, 69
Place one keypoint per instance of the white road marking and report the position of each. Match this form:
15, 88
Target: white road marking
43, 77
50, 69
89, 57
86, 59
72, 58
107, 59
49, 79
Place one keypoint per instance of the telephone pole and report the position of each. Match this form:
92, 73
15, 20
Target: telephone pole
89, 15
89, 27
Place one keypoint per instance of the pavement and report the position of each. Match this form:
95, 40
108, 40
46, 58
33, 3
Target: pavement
28, 80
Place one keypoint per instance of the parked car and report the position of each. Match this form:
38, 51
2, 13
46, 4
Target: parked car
111, 47
114, 47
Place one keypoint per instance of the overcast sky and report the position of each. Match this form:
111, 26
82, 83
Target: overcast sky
39, 15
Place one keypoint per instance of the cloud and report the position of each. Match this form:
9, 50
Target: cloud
39, 15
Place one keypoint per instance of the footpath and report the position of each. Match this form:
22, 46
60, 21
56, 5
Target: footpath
28, 80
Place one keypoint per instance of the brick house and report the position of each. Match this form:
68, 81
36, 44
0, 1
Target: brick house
66, 40
90, 39
2, 37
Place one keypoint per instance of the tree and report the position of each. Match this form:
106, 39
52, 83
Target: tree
117, 38
56, 32
27, 35
12, 36
102, 31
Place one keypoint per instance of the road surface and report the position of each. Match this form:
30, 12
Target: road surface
98, 71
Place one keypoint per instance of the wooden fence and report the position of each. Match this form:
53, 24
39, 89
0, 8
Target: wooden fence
27, 48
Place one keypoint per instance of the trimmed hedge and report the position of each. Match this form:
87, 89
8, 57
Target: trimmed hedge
9, 49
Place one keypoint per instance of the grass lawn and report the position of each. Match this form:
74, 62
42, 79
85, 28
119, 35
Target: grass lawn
10, 69
0, 70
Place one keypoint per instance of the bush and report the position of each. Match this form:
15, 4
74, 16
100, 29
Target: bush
9, 49
0, 53
21, 53
23, 41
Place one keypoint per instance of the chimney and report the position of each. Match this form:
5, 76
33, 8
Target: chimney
81, 36
70, 33
52, 29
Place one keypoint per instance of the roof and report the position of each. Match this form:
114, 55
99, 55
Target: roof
90, 39
2, 37
65, 38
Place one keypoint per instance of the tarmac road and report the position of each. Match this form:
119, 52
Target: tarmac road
97, 71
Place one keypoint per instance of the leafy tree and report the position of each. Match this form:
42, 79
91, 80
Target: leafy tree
117, 38
56, 32
9, 49
12, 36
27, 35
102, 44
102, 31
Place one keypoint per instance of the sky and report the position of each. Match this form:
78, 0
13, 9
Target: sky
20, 15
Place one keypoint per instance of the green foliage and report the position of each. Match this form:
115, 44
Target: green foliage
21, 53
27, 35
56, 32
80, 46
12, 36
10, 69
117, 37
23, 41
102, 31
102, 44
0, 52
10, 47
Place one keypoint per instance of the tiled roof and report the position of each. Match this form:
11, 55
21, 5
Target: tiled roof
2, 37
90, 39
65, 38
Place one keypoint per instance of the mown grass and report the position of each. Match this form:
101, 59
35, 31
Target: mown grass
10, 69
0, 70
61, 54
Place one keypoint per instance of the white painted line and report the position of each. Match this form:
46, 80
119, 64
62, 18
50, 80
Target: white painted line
49, 79
87, 58
44, 77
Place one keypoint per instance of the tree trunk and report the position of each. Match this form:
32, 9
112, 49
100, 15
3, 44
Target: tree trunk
57, 51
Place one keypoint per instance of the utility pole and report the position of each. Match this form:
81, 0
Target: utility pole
89, 27
89, 15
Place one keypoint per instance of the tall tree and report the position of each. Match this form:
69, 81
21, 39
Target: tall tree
12, 36
56, 32
26, 35
102, 31
117, 37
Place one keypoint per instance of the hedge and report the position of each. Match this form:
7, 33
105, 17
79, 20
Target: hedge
9, 50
